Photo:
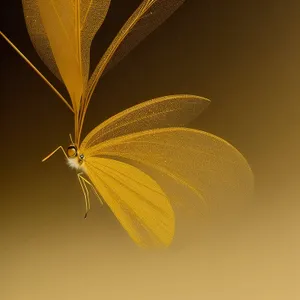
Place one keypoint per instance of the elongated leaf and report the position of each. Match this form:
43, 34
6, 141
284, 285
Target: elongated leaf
155, 15
62, 32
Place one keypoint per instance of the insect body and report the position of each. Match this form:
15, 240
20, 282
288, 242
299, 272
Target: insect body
114, 157
75, 159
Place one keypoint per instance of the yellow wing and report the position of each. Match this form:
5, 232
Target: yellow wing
136, 199
61, 32
146, 18
196, 161
167, 111
191, 166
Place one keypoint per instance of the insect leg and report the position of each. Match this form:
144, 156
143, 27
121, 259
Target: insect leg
85, 194
92, 186
60, 147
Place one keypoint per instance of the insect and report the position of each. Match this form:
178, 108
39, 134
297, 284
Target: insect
112, 160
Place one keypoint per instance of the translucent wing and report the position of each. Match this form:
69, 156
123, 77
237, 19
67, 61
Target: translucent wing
62, 32
136, 199
156, 12
196, 161
147, 17
92, 15
174, 110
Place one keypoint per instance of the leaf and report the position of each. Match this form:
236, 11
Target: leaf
62, 32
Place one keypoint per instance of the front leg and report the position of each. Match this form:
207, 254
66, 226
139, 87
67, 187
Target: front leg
83, 181
85, 194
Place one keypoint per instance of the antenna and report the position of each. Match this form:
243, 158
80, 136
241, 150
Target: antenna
70, 135
36, 70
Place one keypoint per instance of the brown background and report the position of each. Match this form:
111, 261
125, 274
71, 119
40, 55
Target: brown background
244, 56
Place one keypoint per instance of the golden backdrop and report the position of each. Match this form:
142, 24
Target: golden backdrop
242, 56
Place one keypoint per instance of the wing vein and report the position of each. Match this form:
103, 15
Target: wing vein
60, 20
87, 12
140, 119
172, 146
130, 212
78, 34
126, 186
165, 171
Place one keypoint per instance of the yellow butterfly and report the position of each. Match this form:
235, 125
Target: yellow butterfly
114, 157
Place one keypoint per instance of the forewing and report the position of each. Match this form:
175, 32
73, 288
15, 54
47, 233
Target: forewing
197, 161
136, 200
168, 111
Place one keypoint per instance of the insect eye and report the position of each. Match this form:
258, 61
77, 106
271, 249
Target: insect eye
72, 151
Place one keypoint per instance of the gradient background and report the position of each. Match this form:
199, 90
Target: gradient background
245, 58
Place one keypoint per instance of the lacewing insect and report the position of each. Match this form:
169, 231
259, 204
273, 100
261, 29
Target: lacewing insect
151, 134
